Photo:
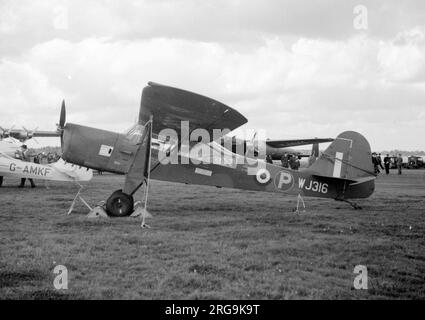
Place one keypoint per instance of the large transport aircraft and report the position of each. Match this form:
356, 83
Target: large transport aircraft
275, 149
343, 171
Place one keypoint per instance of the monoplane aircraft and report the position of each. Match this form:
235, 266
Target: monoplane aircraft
176, 137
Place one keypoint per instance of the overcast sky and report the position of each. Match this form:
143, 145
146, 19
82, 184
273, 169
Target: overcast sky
295, 68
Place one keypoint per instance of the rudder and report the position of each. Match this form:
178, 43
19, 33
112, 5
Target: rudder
348, 157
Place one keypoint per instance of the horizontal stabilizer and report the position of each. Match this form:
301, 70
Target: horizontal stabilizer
332, 179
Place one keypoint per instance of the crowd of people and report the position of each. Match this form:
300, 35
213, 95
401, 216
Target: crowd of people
377, 163
291, 161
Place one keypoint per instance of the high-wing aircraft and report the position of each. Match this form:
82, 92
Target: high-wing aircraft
24, 134
344, 171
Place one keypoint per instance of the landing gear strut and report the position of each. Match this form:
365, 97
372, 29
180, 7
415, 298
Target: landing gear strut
120, 204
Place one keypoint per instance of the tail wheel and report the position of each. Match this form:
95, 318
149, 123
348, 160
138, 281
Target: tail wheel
120, 204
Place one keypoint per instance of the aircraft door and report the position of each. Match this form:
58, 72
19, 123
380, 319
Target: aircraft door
122, 154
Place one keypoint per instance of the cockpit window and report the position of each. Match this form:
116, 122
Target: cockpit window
135, 133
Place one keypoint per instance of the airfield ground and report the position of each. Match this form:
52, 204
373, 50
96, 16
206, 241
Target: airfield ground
208, 243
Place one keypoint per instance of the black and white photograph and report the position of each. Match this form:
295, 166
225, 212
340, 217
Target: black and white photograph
224, 151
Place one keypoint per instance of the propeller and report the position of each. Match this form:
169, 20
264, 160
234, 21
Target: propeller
62, 119
6, 132
29, 133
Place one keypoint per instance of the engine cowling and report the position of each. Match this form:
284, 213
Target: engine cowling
97, 149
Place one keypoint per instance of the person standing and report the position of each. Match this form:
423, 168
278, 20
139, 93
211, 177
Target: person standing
297, 162
375, 163
24, 156
379, 161
387, 163
292, 161
399, 163
269, 159
284, 160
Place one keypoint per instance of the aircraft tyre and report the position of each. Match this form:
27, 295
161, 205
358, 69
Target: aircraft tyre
119, 204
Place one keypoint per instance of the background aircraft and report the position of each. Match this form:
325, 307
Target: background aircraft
23, 134
12, 167
344, 171
276, 149
58, 171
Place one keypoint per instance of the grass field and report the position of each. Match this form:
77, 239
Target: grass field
208, 243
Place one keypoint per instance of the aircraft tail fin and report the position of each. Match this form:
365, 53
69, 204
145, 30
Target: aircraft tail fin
315, 150
348, 157
348, 163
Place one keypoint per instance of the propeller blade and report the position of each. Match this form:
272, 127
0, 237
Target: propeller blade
62, 118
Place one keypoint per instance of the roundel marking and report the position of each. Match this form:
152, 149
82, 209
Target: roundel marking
284, 180
263, 176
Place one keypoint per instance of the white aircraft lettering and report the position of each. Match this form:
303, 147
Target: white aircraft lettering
314, 186
301, 182
284, 178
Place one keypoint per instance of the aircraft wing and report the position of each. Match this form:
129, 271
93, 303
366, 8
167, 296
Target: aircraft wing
170, 106
45, 134
295, 142
23, 134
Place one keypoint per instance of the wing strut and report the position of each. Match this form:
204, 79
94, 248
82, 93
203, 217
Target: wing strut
139, 173
145, 212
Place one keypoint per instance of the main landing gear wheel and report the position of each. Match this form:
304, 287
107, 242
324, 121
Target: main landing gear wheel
120, 204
